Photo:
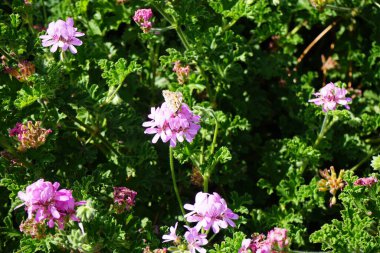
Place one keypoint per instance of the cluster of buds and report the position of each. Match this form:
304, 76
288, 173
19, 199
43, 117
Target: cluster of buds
142, 17
29, 135
182, 72
331, 182
23, 70
33, 228
276, 241
124, 197
366, 181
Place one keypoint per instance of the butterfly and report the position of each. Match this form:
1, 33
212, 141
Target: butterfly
173, 99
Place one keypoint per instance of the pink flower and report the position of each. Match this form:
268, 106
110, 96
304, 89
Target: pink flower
278, 238
17, 131
172, 236
124, 197
195, 240
30, 135
142, 17
44, 202
330, 96
261, 245
172, 125
245, 246
62, 34
366, 181
210, 211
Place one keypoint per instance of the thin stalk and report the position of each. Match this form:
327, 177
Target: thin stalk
312, 44
211, 238
365, 159
109, 99
207, 174
175, 181
323, 130
94, 133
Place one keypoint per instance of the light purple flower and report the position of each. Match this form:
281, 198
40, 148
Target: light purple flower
245, 246
172, 126
366, 181
210, 211
142, 17
172, 236
62, 34
44, 202
330, 96
195, 240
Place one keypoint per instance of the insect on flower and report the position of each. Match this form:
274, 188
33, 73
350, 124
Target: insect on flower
174, 99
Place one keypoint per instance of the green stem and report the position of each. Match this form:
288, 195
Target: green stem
94, 133
323, 131
365, 159
175, 181
207, 174
211, 238
109, 99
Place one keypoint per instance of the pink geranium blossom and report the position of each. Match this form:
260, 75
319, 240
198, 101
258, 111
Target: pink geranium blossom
210, 211
62, 34
195, 240
366, 181
44, 202
172, 236
124, 197
275, 241
172, 125
142, 17
330, 96
245, 246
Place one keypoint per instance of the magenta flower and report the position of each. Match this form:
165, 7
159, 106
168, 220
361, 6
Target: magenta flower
195, 240
17, 131
330, 96
245, 246
62, 34
124, 197
210, 211
142, 17
173, 126
172, 236
366, 181
44, 202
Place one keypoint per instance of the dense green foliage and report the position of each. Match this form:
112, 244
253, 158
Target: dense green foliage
254, 66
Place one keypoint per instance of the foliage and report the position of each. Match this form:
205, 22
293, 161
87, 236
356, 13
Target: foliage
254, 66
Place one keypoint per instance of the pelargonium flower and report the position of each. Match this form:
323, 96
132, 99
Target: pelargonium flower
172, 236
366, 181
195, 240
330, 96
260, 244
170, 125
278, 238
44, 202
330, 182
124, 197
210, 211
62, 34
142, 17
245, 246
30, 135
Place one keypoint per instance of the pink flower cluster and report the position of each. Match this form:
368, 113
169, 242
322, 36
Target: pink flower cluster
142, 17
210, 211
44, 202
124, 197
62, 34
172, 126
330, 96
275, 241
182, 72
366, 181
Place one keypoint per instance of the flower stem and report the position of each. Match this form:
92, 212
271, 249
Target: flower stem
323, 131
175, 181
365, 159
207, 174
